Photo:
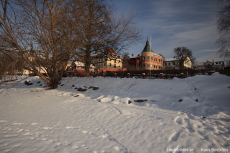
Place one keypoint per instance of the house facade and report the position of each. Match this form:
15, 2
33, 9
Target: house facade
150, 60
214, 65
218, 65
107, 61
78, 67
147, 60
173, 63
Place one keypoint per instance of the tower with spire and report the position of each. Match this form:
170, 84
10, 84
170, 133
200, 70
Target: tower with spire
150, 60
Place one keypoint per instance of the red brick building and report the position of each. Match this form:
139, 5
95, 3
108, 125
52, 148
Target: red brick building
147, 60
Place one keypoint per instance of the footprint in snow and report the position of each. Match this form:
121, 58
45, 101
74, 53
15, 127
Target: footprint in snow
184, 122
34, 123
47, 128
17, 123
178, 120
188, 125
174, 136
3, 121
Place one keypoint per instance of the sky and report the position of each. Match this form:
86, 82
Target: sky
175, 23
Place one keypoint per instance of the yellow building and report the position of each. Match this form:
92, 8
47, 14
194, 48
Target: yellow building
108, 61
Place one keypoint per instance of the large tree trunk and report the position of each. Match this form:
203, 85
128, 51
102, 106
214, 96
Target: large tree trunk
87, 63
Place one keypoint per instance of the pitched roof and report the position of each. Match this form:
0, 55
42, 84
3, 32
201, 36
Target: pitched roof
110, 51
147, 47
219, 63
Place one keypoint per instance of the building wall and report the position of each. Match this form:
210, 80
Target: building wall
188, 63
174, 64
151, 61
102, 63
109, 62
171, 65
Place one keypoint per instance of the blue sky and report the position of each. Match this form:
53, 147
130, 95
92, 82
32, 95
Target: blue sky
175, 23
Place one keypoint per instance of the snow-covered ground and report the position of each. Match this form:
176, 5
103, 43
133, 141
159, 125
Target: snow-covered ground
178, 115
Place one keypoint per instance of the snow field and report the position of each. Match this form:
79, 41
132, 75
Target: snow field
179, 113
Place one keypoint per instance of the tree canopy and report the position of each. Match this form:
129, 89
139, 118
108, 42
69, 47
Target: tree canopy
223, 26
181, 53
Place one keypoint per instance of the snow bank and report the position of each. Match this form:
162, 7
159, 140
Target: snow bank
117, 115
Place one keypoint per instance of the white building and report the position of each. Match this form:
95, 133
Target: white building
215, 65
173, 63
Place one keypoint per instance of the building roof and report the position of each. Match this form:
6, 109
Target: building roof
219, 63
147, 47
81, 64
110, 51
170, 59
157, 55
200, 64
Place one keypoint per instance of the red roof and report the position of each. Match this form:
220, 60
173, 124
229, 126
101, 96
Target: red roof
110, 51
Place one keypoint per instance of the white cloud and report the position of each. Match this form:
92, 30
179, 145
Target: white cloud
210, 56
178, 23
210, 50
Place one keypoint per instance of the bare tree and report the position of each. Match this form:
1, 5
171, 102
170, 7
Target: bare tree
35, 31
99, 29
223, 26
47, 34
10, 63
181, 53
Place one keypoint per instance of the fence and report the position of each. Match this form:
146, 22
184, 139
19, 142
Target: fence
225, 72
163, 74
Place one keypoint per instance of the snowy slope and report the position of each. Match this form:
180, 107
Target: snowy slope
191, 115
